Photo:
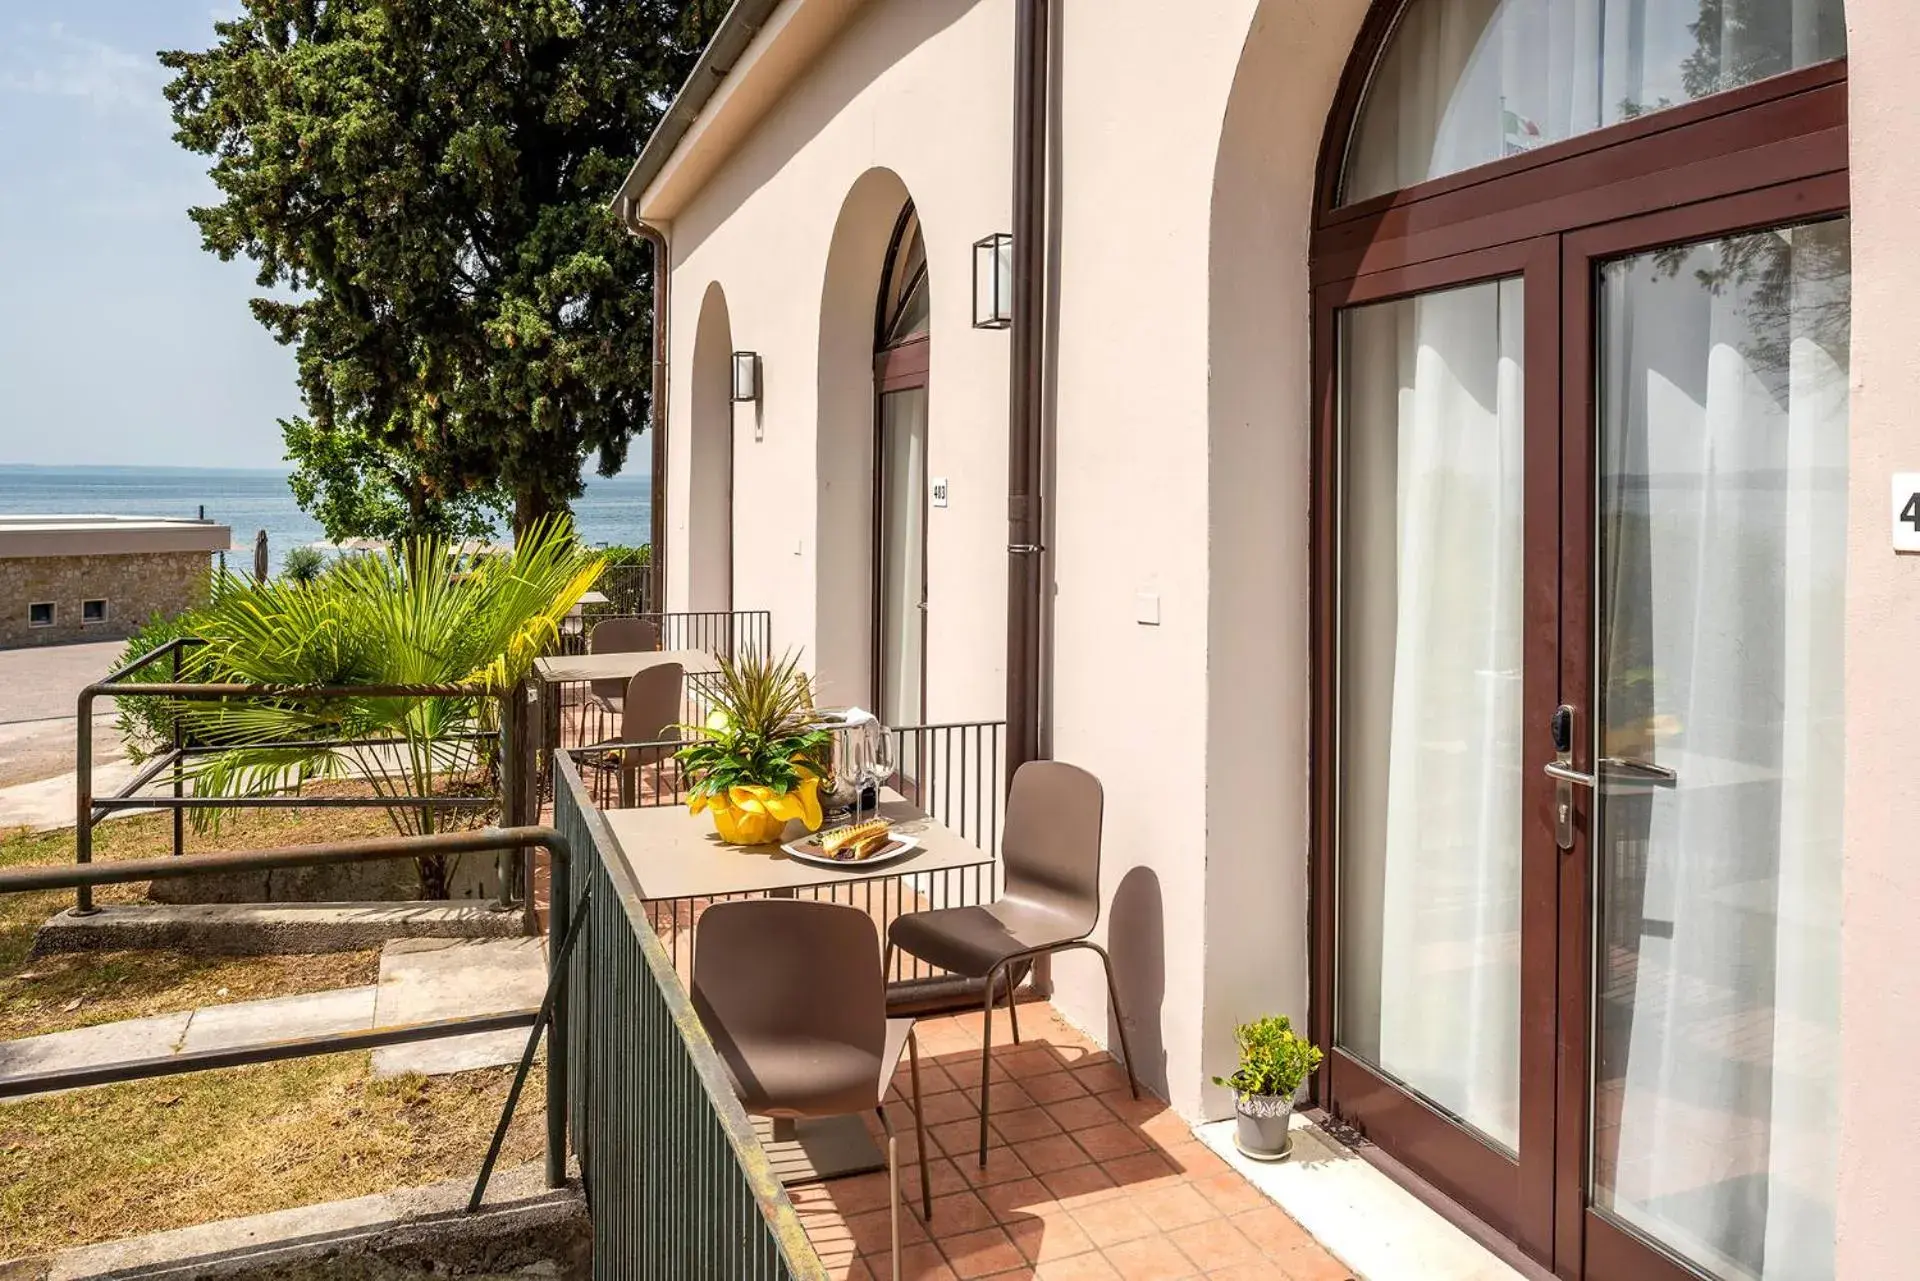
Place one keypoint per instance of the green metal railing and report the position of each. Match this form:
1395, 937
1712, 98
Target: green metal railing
678, 1185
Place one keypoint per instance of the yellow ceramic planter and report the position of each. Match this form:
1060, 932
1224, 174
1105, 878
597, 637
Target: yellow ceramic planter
757, 815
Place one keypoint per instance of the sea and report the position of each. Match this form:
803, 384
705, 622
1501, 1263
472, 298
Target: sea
616, 511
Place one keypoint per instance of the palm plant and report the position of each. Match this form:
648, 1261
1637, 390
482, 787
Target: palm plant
399, 621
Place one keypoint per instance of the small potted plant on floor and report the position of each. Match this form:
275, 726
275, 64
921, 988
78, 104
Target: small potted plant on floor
757, 763
1275, 1061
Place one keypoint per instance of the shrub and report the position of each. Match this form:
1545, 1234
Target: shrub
1275, 1060
303, 565
146, 724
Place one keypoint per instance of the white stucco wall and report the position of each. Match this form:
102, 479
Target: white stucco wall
1180, 394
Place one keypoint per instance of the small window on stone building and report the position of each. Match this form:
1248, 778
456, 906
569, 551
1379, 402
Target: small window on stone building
40, 614
92, 611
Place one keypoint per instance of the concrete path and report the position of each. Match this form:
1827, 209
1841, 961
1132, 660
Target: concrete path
48, 803
44, 683
420, 980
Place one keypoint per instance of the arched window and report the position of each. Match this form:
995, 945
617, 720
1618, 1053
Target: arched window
901, 360
1582, 292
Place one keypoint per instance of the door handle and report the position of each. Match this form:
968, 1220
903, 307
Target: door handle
1639, 771
1561, 773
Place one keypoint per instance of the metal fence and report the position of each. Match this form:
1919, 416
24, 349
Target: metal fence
952, 772
552, 1014
724, 632
171, 767
678, 1184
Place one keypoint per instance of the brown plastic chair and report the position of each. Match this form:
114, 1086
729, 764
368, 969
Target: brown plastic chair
1051, 902
650, 711
792, 993
619, 636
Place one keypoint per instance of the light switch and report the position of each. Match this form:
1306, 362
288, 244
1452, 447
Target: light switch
1146, 609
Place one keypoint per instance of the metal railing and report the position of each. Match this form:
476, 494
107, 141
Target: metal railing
678, 1184
174, 762
952, 772
722, 632
552, 1014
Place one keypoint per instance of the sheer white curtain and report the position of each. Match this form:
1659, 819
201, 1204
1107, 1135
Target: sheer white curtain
903, 588
1467, 82
1724, 457
1432, 535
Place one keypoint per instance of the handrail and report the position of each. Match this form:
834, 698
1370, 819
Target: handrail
551, 1015
655, 1224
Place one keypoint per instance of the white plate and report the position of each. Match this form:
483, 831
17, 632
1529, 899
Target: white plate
807, 852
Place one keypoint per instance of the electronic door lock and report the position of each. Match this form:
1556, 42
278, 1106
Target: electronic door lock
1564, 776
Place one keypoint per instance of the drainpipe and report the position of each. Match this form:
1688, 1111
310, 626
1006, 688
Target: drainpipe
1026, 579
662, 288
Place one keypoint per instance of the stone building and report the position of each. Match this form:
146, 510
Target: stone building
82, 578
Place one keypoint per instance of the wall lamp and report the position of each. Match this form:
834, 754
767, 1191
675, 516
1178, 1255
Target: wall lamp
993, 282
746, 377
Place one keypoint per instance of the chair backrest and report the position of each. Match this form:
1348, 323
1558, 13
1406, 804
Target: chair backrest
624, 636
770, 969
1050, 846
653, 704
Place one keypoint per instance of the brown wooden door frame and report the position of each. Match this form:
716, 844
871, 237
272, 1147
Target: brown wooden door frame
1769, 153
1593, 1246
1513, 1195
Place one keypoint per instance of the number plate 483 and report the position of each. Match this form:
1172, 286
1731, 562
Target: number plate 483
1906, 511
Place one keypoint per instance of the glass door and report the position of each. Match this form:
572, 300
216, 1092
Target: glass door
1446, 470
902, 651
1713, 761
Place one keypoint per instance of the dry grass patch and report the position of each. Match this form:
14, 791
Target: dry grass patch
55, 994
96, 1165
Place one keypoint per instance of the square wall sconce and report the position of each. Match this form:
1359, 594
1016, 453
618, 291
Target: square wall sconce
993, 282
746, 377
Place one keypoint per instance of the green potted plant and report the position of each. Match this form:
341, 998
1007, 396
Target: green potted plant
1275, 1062
758, 762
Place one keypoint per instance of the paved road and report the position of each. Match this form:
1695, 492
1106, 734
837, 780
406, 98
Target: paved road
42, 684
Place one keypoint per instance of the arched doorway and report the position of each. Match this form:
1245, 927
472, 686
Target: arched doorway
901, 345
1581, 306
710, 444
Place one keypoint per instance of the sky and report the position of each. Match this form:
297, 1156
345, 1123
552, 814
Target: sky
122, 341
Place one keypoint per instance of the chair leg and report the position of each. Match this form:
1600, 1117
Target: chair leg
893, 1184
986, 1058
1013, 1013
919, 1128
1119, 1019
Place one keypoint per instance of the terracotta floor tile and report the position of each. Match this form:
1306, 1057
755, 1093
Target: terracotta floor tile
1272, 1229
1110, 1142
942, 1175
1166, 1128
1023, 1124
1046, 1238
1230, 1193
1003, 1166
960, 1138
1018, 1199
856, 1195
1112, 1222
1052, 1087
1214, 1244
872, 1235
1258, 1270
1050, 1152
1007, 1096
1082, 1185
1144, 1171
917, 1263
1311, 1263
1151, 1258
1131, 1110
948, 1107
1175, 1207
1029, 1060
1080, 1112
933, 1079
1081, 1267
1196, 1160
958, 1214
981, 1254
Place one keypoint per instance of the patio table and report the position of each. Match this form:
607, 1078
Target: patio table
676, 855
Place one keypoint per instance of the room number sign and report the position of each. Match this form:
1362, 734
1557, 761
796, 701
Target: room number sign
1906, 511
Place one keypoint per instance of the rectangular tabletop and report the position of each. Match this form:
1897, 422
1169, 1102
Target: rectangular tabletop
564, 668
676, 854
